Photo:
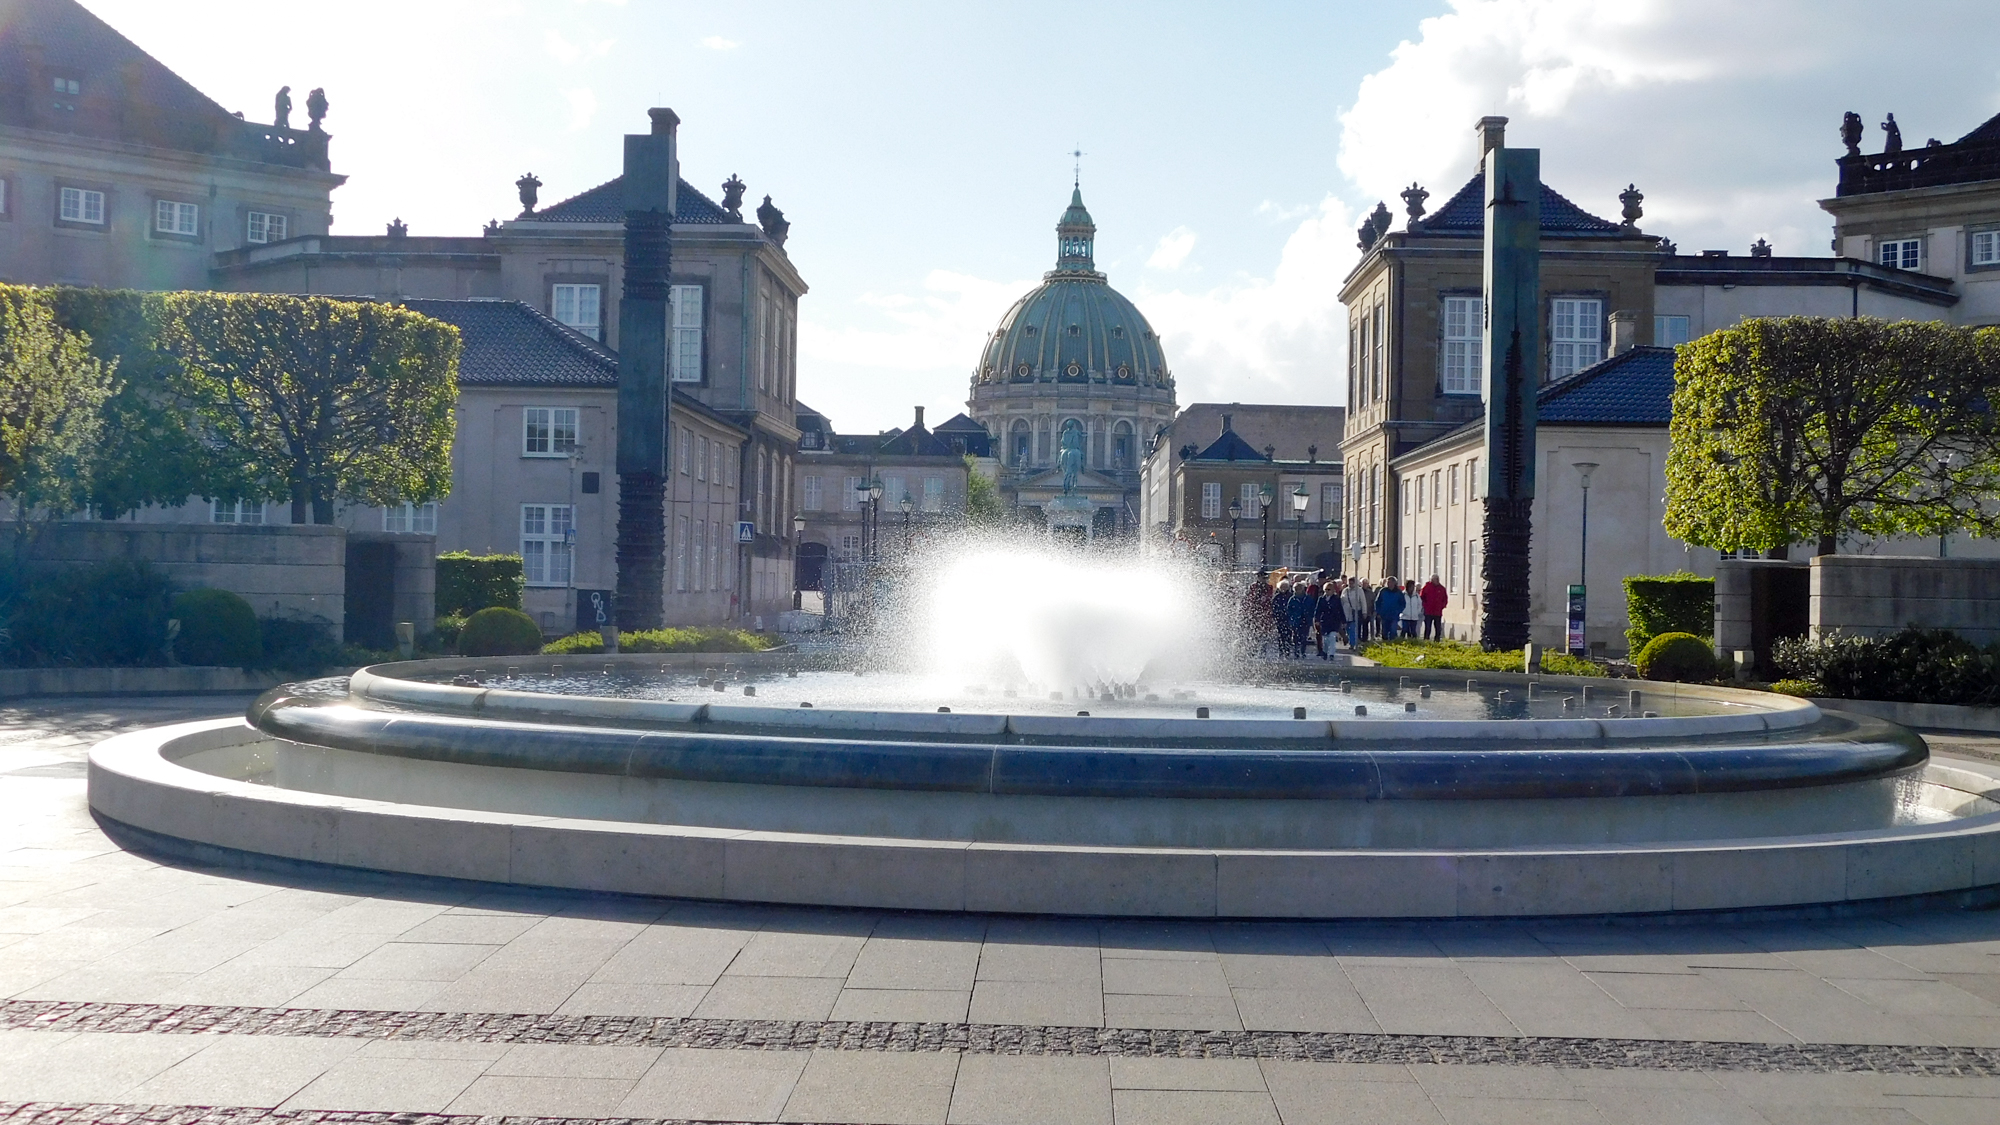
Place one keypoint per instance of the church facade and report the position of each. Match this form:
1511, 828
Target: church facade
1073, 355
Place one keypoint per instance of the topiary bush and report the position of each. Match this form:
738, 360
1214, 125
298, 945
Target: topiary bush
217, 628
1679, 657
1668, 603
468, 583
498, 631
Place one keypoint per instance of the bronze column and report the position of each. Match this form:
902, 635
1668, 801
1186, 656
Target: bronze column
1512, 343
651, 176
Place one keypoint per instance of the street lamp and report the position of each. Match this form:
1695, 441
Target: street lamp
1578, 593
798, 540
875, 517
1235, 513
908, 505
1265, 495
1299, 501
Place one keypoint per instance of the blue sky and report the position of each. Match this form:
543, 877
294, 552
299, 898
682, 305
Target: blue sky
919, 149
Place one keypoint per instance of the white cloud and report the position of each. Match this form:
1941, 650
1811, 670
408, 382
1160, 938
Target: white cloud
1174, 247
942, 329
582, 107
568, 53
718, 43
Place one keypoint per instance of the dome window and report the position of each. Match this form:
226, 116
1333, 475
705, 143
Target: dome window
1074, 369
1075, 330
1030, 330
1022, 370
1124, 372
1118, 332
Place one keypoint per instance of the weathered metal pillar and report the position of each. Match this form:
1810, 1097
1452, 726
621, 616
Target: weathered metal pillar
651, 175
1513, 356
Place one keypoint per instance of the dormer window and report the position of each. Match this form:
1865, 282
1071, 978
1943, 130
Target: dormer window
1118, 332
1075, 330
1029, 330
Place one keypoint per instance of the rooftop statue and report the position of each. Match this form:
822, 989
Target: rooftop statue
1850, 132
1894, 144
316, 108
1070, 459
1413, 202
281, 108
732, 197
773, 222
528, 186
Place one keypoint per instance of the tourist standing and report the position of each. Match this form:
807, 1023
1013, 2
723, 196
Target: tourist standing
1389, 607
1299, 618
1332, 614
1354, 603
1281, 598
1435, 599
1413, 610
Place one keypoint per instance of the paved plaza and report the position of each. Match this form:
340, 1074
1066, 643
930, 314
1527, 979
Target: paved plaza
137, 990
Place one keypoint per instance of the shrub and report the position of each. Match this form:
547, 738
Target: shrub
303, 648
697, 638
468, 583
498, 631
1668, 603
444, 632
1913, 666
113, 613
1801, 688
1459, 655
217, 628
1679, 657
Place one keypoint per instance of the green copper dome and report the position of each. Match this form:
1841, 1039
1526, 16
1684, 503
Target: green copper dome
1074, 327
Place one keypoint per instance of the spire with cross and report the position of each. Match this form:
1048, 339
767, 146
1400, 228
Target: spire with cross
1076, 180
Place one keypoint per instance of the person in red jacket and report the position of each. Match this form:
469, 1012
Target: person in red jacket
1434, 599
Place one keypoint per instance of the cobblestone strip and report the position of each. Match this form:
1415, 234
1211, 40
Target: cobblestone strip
998, 1039
89, 1113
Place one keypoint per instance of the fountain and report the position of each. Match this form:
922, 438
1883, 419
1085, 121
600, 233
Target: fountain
1034, 731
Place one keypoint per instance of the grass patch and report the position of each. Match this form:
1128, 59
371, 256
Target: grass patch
1471, 658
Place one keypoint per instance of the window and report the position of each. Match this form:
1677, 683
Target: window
700, 550
1418, 505
80, 205
170, 217
266, 227
1670, 331
3, 196
715, 461
933, 494
419, 519
1406, 560
1437, 491
1576, 335
1329, 501
1437, 562
701, 458
1211, 500
1250, 496
249, 512
1471, 488
815, 499
714, 555
1375, 358
578, 306
1985, 243
1451, 582
68, 86
680, 553
1461, 345
850, 548
1121, 446
546, 538
1902, 253
1452, 476
892, 491
849, 502
1019, 455
1375, 507
548, 431
684, 337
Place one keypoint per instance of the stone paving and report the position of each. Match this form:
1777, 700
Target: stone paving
137, 991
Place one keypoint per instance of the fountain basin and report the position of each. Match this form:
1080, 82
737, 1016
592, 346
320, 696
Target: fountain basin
1753, 801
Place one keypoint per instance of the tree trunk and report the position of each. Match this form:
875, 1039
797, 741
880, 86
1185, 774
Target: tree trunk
298, 504
1828, 545
322, 509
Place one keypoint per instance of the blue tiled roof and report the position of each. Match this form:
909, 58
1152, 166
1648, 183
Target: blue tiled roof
1230, 447
509, 344
605, 203
1465, 213
1632, 388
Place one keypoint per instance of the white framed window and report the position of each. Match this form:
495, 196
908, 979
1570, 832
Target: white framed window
1329, 501
701, 458
1451, 580
933, 494
715, 461
1423, 564
548, 431
1985, 243
1462, 369
244, 512
1406, 559
1211, 500
1251, 497
1670, 331
1437, 490
1902, 253
815, 496
547, 536
1288, 554
680, 553
850, 548
1375, 508
1437, 562
81, 205
684, 333
578, 306
699, 552
265, 227
1451, 475
849, 502
173, 217
893, 491
418, 519
1576, 334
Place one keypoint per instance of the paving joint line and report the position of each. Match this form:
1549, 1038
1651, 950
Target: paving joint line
107, 1113
1001, 1039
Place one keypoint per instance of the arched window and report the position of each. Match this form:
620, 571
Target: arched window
1018, 443
1121, 445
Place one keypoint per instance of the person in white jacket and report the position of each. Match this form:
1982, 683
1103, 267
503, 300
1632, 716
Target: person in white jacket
1413, 611
1355, 601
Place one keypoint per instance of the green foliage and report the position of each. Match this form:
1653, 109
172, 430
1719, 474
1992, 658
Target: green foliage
1811, 429
468, 583
499, 631
1459, 655
52, 392
1804, 689
1913, 666
314, 400
217, 628
1668, 603
301, 648
982, 496
114, 613
444, 633
699, 638
1677, 657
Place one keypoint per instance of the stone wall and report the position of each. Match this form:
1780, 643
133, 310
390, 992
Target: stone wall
282, 570
1874, 595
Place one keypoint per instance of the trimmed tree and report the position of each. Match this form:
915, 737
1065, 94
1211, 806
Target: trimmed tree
316, 401
1810, 429
52, 392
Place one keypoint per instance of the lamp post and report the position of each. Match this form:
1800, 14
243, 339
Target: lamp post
861, 505
875, 517
798, 540
1579, 593
1265, 495
1300, 498
908, 505
1235, 513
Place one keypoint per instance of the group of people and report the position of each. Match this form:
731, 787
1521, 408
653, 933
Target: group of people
1300, 609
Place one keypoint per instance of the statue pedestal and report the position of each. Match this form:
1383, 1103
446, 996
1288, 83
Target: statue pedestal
1067, 515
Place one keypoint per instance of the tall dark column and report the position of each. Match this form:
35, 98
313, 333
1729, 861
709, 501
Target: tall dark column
651, 174
1512, 343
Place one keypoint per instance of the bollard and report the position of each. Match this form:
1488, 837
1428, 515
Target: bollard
406, 639
1361, 711
1201, 712
1424, 692
610, 635
1298, 712
1531, 658
1409, 708
944, 710
1632, 698
749, 689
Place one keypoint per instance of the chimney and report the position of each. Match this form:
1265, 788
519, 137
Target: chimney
1225, 425
920, 419
1624, 331
1492, 134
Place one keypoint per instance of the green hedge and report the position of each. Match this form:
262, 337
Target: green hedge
1668, 603
1913, 666
690, 639
468, 583
218, 629
1459, 655
499, 631
1678, 658
114, 613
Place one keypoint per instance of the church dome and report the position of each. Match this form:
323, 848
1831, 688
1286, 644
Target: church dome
1074, 327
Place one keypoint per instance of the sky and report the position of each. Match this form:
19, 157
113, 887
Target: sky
921, 150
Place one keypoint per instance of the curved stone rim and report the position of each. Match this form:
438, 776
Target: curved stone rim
133, 781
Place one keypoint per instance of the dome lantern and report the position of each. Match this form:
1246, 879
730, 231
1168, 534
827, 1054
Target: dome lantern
1076, 238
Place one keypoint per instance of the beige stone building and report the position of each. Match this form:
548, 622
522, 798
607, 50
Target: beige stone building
927, 467
1206, 477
